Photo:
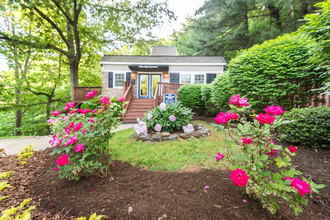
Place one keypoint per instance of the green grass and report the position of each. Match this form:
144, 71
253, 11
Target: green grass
9, 137
171, 155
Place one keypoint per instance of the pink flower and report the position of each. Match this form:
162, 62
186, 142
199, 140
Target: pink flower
265, 118
90, 94
91, 119
172, 118
83, 131
287, 178
70, 105
71, 124
158, 127
94, 111
72, 140
57, 112
85, 111
105, 100
77, 127
239, 177
219, 157
247, 141
301, 186
206, 187
121, 99
292, 149
50, 121
79, 147
233, 116
222, 118
236, 99
67, 130
64, 159
80, 110
274, 110
272, 152
92, 128
66, 118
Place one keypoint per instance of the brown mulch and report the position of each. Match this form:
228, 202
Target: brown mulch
132, 193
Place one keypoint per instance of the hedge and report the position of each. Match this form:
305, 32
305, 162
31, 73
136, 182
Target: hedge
190, 96
310, 127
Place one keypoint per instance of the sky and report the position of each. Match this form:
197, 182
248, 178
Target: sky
181, 8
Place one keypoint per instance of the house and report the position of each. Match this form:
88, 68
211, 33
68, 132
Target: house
145, 79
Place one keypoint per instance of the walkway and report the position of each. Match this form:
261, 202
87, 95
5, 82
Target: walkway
15, 145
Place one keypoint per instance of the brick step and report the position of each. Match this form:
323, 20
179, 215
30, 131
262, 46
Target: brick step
142, 100
137, 111
146, 107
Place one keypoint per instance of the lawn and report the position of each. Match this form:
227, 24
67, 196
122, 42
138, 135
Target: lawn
171, 155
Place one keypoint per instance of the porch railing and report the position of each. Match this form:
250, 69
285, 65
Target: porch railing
127, 94
79, 93
163, 88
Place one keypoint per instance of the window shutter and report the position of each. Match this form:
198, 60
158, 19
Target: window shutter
110, 78
128, 76
174, 78
210, 77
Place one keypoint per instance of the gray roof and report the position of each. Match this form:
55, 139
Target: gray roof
163, 59
164, 51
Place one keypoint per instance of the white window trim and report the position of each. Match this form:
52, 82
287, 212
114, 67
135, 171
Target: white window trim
204, 74
191, 75
114, 80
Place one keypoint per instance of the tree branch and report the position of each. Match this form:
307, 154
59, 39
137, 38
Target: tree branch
60, 32
63, 11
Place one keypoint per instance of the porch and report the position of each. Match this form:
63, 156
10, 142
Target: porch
138, 106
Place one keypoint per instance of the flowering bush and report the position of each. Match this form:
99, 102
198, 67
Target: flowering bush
256, 155
168, 117
81, 137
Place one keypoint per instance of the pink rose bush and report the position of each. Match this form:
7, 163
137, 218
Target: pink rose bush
81, 137
121, 99
254, 153
158, 127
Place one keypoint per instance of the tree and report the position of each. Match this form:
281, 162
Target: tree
74, 28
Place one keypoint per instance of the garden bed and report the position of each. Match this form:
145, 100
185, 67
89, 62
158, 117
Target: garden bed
138, 193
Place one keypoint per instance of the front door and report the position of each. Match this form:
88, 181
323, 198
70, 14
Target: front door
147, 85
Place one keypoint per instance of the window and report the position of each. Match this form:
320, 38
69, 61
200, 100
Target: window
185, 78
119, 79
199, 78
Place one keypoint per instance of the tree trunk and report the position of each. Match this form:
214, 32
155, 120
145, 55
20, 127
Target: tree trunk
48, 111
275, 13
18, 112
73, 75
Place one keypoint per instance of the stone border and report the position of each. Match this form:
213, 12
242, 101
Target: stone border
199, 131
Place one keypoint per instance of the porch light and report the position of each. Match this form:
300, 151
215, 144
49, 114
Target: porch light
133, 74
165, 75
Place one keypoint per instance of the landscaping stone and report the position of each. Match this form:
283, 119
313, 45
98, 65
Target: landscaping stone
196, 134
156, 138
166, 134
145, 137
184, 135
136, 137
196, 131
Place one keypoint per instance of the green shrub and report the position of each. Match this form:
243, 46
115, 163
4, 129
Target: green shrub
221, 92
311, 127
210, 108
163, 115
191, 96
277, 72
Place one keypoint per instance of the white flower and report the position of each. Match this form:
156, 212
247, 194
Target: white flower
162, 106
149, 117
188, 129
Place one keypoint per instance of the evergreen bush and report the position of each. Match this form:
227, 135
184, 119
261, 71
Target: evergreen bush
276, 72
190, 96
309, 126
221, 92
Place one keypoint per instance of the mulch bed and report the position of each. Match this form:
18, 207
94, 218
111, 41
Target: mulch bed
134, 193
